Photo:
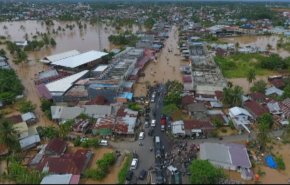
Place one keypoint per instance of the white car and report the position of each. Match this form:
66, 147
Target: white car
153, 123
134, 164
104, 142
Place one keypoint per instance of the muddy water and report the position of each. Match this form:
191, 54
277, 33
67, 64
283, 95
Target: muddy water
259, 41
167, 66
94, 37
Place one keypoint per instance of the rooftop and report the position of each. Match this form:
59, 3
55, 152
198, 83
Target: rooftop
64, 84
81, 59
60, 56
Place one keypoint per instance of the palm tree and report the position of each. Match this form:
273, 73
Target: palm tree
8, 135
251, 76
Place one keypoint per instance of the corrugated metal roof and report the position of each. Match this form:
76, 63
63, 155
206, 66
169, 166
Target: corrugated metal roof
57, 179
25, 143
60, 56
101, 68
81, 59
215, 152
64, 84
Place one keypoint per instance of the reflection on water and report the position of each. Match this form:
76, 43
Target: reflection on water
93, 37
259, 41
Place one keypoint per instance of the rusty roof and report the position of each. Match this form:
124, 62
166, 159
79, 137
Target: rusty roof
56, 145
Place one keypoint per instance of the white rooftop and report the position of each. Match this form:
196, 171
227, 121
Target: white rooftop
101, 68
235, 111
64, 84
60, 56
57, 179
81, 59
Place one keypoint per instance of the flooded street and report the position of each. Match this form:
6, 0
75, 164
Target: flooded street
167, 66
258, 41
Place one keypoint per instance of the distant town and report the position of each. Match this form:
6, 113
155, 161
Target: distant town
144, 92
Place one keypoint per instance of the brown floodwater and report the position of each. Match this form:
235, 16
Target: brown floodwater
166, 67
259, 41
94, 37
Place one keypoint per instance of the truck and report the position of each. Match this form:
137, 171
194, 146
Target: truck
163, 123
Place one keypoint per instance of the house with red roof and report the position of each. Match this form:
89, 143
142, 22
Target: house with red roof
255, 108
197, 127
71, 163
56, 147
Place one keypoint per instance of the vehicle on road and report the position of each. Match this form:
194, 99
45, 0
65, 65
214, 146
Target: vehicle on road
104, 142
142, 174
134, 164
146, 124
141, 135
157, 145
163, 123
129, 175
153, 123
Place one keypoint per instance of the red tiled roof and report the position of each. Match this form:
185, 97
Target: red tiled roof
120, 128
186, 100
278, 82
68, 163
219, 95
98, 100
258, 96
121, 112
197, 124
187, 79
255, 108
15, 119
56, 146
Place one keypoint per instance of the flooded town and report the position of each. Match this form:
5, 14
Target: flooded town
165, 92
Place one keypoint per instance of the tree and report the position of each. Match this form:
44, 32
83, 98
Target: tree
49, 132
259, 86
203, 172
265, 123
251, 76
65, 128
169, 109
26, 106
8, 135
286, 93
52, 42
232, 96
149, 23
217, 122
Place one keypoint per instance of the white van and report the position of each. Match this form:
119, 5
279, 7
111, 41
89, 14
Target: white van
134, 164
104, 142
141, 135
153, 123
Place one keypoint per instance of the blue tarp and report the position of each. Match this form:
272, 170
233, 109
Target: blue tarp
271, 162
127, 95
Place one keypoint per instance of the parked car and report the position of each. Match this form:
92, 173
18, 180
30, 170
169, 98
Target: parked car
146, 124
104, 142
129, 175
142, 174
153, 123
134, 164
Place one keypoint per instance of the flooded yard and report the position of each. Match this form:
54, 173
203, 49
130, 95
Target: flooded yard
166, 67
273, 176
94, 37
258, 41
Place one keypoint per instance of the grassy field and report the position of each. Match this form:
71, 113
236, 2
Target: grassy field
238, 65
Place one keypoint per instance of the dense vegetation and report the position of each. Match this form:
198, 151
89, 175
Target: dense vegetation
103, 166
123, 172
239, 65
21, 175
124, 39
203, 172
10, 86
